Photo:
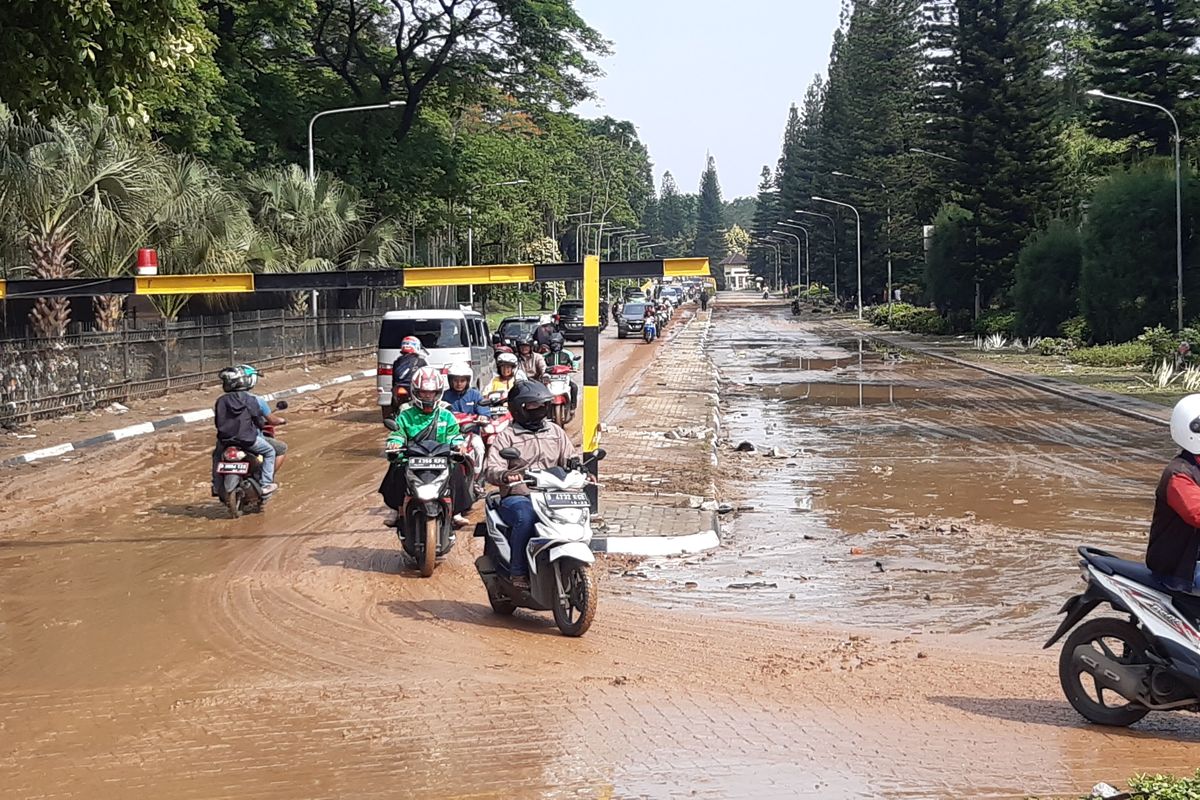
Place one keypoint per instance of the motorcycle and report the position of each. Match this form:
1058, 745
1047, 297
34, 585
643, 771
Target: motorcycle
426, 527
558, 381
1115, 672
239, 475
650, 330
796, 307
560, 559
766, 295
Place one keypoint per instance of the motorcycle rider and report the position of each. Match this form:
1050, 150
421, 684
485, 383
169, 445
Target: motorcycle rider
542, 445
239, 417
426, 416
704, 299
411, 358
461, 397
532, 362
1174, 547
543, 332
558, 356
506, 373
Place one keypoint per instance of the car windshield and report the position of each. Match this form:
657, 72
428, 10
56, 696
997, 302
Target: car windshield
634, 310
570, 308
433, 333
516, 328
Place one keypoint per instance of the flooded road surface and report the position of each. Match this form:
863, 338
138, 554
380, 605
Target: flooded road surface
152, 648
906, 492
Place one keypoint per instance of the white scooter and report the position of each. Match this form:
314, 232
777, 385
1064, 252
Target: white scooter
560, 558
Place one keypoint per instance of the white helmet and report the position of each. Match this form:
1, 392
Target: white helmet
460, 369
1185, 424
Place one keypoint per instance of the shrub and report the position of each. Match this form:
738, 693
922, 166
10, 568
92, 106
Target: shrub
1165, 787
1050, 346
1002, 322
1163, 344
1047, 279
906, 317
1077, 330
949, 268
1130, 354
817, 292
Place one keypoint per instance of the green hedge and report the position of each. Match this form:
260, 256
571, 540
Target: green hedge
907, 317
1002, 322
1129, 354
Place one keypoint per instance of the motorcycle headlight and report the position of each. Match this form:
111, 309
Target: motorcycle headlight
427, 492
569, 516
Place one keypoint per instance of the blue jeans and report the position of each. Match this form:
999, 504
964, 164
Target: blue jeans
518, 514
263, 448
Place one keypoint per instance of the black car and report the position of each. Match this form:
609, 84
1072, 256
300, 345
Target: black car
569, 320
631, 320
512, 329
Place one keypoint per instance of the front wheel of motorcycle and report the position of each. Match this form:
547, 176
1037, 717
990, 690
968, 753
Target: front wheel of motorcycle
576, 608
1118, 640
429, 553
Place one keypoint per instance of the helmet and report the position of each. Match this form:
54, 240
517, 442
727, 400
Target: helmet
427, 388
556, 341
528, 402
506, 358
525, 341
459, 369
500, 350
410, 344
241, 378
1185, 423
546, 319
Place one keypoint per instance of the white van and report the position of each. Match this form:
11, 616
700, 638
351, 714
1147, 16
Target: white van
448, 335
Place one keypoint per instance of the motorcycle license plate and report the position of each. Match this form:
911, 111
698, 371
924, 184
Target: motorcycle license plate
233, 468
427, 463
566, 499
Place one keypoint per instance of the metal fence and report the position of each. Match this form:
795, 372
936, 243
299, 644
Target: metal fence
48, 378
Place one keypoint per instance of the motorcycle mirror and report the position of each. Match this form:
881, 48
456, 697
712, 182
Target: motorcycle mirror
282, 405
510, 454
391, 425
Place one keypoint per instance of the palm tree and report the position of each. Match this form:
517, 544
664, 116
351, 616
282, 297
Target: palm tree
309, 226
78, 166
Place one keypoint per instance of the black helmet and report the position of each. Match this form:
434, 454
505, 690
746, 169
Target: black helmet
526, 340
556, 341
529, 393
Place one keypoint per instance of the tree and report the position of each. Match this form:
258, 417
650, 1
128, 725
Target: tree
672, 213
766, 214
1045, 294
1146, 50
1007, 172
538, 51
737, 240
710, 221
67, 54
1127, 282
948, 277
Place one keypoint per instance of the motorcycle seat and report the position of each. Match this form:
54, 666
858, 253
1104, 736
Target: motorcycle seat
1135, 571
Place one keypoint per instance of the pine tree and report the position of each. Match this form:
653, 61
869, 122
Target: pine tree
710, 223
672, 214
1145, 50
1008, 145
766, 213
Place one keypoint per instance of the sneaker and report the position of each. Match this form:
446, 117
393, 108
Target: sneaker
393, 521
521, 583
460, 521
269, 488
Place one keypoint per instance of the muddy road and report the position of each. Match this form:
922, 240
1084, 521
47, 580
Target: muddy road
151, 647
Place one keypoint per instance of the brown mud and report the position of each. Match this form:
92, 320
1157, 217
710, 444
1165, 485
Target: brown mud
153, 648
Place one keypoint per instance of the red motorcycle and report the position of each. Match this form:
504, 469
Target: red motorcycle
558, 381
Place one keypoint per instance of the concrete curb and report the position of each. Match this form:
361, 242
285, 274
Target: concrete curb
185, 418
1104, 401
657, 545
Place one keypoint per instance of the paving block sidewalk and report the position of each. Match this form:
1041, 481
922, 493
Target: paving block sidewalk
661, 459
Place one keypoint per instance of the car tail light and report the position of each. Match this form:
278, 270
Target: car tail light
233, 454
384, 369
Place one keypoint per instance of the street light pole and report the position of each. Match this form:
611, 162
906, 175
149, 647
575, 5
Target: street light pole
807, 255
312, 172
797, 238
858, 228
833, 230
1178, 193
887, 196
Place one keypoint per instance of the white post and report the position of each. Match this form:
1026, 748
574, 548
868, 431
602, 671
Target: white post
312, 172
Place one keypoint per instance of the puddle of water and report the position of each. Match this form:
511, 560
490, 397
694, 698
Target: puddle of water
1011, 480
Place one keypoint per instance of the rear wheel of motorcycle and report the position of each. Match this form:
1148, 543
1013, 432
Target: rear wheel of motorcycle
560, 415
429, 556
1118, 640
233, 502
573, 613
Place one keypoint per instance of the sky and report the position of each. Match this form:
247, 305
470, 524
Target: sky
689, 75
